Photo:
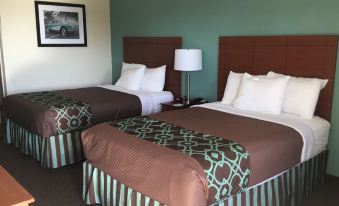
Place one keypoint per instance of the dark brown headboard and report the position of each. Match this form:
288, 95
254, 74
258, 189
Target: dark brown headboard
305, 56
155, 52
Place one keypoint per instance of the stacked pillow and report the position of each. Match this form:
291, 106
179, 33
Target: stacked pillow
232, 87
132, 76
261, 94
138, 77
301, 95
154, 79
273, 93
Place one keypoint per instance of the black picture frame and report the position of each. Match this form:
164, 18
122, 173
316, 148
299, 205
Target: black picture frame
60, 24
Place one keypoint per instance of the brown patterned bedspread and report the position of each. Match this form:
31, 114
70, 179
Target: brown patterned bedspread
58, 112
225, 163
191, 156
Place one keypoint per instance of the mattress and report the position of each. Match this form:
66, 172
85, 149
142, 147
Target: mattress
151, 101
315, 132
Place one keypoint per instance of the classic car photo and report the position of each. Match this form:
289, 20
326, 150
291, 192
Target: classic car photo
62, 29
60, 24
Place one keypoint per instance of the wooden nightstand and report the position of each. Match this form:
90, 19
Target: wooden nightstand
174, 105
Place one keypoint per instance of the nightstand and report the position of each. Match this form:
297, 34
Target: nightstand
174, 105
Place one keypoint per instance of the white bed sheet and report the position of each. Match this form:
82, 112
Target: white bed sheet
150, 101
314, 131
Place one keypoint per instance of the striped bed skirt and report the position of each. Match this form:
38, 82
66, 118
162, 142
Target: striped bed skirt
51, 152
100, 188
286, 189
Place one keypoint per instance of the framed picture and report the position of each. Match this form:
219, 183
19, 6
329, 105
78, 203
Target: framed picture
60, 24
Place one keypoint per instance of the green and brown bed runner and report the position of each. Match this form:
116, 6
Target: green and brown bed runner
69, 114
225, 163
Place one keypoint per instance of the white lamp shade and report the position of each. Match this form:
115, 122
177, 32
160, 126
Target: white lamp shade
188, 59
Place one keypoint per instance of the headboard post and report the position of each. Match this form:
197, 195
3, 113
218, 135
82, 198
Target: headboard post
302, 56
155, 52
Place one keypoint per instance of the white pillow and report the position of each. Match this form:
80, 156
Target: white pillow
261, 94
131, 79
301, 95
232, 86
128, 66
275, 75
154, 79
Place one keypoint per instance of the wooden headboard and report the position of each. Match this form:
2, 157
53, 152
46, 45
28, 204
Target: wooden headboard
304, 56
155, 52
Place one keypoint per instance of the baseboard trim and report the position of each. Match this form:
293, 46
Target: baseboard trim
331, 178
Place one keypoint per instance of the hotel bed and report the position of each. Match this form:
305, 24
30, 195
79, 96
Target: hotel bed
215, 154
47, 125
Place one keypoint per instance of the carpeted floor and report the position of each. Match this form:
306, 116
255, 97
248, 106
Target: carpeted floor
59, 187
326, 195
63, 187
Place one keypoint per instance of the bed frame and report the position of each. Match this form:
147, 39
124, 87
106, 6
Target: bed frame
155, 52
305, 56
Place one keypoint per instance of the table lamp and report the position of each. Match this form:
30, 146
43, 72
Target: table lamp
188, 60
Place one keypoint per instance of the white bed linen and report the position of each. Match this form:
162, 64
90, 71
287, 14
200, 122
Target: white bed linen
150, 101
314, 131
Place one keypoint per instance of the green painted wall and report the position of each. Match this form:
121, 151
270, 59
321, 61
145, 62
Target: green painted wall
201, 22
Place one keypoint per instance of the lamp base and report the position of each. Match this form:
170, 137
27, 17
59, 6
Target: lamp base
187, 101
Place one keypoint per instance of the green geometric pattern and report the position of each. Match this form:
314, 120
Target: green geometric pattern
226, 163
70, 114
